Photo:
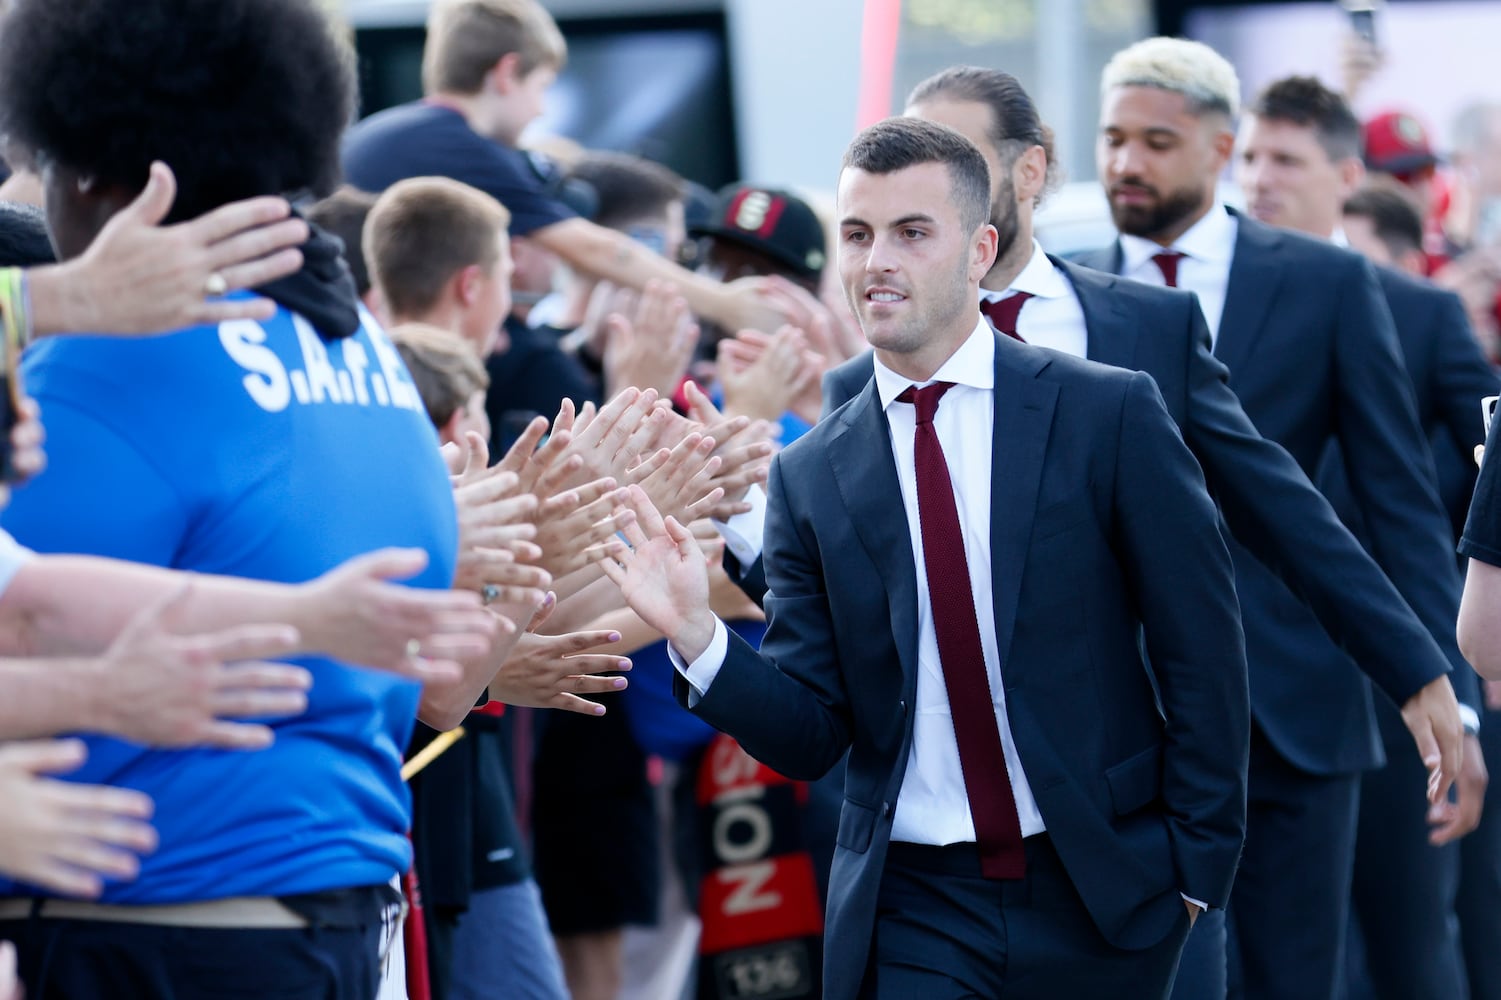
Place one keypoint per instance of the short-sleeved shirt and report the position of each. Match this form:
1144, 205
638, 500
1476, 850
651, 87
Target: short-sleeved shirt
430, 140
12, 557
1482, 535
255, 450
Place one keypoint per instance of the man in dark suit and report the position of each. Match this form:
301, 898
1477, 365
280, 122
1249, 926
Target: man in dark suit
963, 563
1298, 161
1314, 358
1269, 504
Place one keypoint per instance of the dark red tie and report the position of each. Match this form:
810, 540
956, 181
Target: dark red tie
1167, 263
997, 828
1002, 313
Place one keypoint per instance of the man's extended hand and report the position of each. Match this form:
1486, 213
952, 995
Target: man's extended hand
356, 614
1452, 820
140, 277
67, 837
177, 691
553, 671
661, 572
1432, 716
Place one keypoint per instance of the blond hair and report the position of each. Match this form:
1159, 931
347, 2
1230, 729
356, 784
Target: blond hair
1180, 66
424, 230
444, 368
466, 38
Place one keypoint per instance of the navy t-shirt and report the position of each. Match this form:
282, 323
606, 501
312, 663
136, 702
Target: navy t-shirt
430, 140
1482, 536
254, 450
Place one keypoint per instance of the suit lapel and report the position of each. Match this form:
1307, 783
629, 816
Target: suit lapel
1254, 276
1023, 420
1111, 334
865, 474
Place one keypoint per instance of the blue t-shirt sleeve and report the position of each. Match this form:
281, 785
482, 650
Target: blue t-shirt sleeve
99, 494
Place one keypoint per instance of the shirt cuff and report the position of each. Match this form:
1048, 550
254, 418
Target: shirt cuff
701, 672
743, 533
1189, 899
1469, 718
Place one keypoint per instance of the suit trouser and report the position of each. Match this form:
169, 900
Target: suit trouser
1404, 887
944, 934
1479, 900
1290, 905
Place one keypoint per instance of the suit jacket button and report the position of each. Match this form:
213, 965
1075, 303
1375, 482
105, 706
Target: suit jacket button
887, 808
903, 706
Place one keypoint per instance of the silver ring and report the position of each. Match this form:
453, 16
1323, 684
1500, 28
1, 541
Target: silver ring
215, 285
414, 647
488, 594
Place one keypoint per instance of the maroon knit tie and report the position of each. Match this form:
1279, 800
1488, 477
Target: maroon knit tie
1167, 263
1002, 314
997, 828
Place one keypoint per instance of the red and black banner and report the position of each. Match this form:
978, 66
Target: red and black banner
763, 925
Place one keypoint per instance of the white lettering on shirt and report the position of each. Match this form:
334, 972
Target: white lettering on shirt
341, 377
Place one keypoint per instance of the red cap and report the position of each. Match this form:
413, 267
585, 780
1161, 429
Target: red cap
1397, 143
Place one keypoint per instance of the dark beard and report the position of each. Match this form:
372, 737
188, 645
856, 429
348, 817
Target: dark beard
1147, 222
1003, 218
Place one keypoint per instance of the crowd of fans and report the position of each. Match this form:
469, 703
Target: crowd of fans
311, 548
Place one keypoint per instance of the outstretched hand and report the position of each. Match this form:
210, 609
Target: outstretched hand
662, 574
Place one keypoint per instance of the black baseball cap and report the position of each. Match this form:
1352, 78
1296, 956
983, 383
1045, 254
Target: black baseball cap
775, 222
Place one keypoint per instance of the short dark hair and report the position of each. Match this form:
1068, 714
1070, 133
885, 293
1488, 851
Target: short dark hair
898, 143
424, 230
343, 214
629, 188
1303, 100
23, 236
1015, 125
1394, 218
238, 97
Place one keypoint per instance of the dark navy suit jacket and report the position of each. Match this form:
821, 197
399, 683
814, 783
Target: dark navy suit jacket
1314, 359
1088, 477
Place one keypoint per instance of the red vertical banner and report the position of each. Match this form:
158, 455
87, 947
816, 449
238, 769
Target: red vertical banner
878, 36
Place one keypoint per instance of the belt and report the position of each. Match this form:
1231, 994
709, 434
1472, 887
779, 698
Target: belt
958, 859
252, 912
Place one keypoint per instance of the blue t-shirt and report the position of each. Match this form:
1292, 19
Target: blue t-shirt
252, 450
430, 140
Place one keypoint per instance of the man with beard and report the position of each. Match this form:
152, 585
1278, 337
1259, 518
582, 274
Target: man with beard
1269, 504
1314, 358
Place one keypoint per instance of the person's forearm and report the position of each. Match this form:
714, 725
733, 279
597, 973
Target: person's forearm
445, 704
588, 603
78, 604
635, 634
47, 697
1479, 628
56, 306
606, 255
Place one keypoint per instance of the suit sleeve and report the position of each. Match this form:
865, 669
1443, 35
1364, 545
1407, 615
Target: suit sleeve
1185, 592
786, 705
1462, 376
1390, 467
1276, 513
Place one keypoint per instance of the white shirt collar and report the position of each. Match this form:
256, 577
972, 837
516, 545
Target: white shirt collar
973, 364
1211, 239
1039, 279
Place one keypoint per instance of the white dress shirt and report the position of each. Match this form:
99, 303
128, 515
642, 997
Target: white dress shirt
1208, 248
1053, 317
933, 806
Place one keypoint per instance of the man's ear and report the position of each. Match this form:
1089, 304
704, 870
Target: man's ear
1351, 176
983, 251
1029, 174
1223, 143
466, 285
505, 74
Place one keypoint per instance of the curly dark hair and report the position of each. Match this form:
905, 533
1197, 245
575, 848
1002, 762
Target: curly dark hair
238, 97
